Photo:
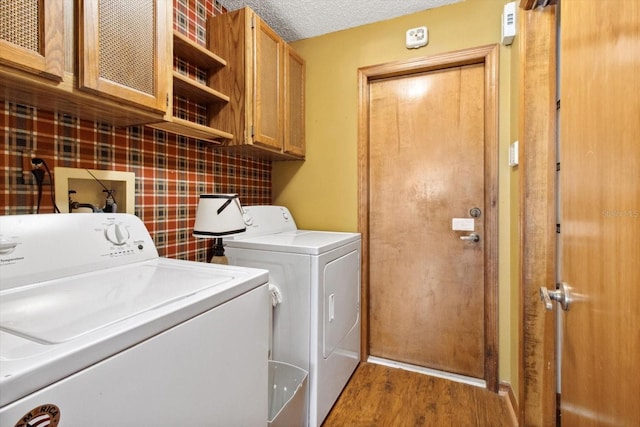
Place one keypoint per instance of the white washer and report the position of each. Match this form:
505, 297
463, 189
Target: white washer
96, 329
317, 273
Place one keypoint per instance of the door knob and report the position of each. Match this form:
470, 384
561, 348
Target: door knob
473, 237
561, 294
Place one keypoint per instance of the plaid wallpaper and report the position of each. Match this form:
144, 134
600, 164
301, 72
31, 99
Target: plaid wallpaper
171, 171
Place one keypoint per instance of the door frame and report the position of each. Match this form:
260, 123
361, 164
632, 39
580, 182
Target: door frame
487, 55
537, 136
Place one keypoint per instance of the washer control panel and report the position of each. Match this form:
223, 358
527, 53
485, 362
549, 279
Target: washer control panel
47, 246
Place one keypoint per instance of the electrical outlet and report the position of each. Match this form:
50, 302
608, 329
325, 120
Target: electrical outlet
27, 167
31, 164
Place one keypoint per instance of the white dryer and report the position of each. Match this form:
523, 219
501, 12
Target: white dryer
317, 274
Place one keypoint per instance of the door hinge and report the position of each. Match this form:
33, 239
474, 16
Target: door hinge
253, 133
558, 228
167, 100
253, 22
558, 167
558, 104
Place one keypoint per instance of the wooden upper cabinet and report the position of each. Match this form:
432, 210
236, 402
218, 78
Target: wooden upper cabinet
32, 36
265, 82
114, 69
124, 50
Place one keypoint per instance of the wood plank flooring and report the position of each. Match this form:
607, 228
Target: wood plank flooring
380, 396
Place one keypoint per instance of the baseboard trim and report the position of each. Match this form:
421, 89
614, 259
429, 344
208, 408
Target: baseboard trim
427, 371
506, 391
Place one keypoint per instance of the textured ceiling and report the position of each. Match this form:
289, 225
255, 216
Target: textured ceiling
301, 19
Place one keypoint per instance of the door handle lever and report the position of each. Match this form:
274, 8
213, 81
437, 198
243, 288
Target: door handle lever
473, 237
561, 294
545, 297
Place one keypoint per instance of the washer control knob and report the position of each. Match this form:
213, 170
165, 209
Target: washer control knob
286, 216
248, 219
6, 246
116, 234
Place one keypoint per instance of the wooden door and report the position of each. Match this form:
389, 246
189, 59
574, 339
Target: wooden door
294, 74
269, 89
429, 301
32, 36
124, 50
600, 211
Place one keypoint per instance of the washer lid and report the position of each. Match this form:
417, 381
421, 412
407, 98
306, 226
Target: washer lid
65, 309
50, 330
299, 241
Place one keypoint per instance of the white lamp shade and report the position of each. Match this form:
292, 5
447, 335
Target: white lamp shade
218, 215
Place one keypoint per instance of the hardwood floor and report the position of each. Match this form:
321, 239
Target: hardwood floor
379, 396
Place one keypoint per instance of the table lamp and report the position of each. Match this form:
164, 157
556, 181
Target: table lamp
218, 215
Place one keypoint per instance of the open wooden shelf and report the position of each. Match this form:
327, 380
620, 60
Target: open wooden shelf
195, 91
193, 130
194, 53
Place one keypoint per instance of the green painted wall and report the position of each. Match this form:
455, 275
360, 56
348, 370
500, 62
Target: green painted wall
322, 191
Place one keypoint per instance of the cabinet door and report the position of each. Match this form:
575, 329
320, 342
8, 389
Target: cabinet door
294, 72
32, 36
124, 50
268, 101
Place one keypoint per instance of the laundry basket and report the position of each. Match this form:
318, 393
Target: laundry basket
287, 395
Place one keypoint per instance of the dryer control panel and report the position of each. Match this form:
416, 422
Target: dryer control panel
262, 220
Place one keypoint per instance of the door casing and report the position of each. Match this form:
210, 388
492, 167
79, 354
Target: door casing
487, 55
537, 136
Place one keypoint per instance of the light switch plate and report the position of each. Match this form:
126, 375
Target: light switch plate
417, 37
513, 154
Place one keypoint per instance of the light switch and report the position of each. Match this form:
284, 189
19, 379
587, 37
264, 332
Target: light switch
513, 154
